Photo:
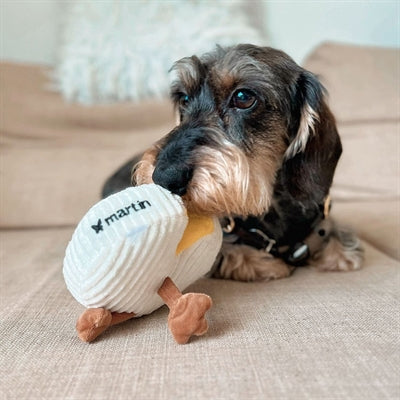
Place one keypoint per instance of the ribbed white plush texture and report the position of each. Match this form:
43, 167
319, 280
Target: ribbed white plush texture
122, 266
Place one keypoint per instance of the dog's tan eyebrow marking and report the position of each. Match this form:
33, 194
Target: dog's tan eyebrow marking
237, 66
243, 71
185, 75
227, 80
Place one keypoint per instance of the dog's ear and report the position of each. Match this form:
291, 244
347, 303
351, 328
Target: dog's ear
305, 105
314, 149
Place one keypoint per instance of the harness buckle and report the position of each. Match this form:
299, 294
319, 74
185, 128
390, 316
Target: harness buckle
270, 242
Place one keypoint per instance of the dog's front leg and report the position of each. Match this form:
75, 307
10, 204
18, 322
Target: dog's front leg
244, 263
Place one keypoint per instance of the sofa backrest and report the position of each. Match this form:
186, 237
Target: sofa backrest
364, 94
56, 156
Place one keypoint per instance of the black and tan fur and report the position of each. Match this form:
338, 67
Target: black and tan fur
256, 142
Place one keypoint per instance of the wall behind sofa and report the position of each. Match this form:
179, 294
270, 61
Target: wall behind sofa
30, 30
297, 26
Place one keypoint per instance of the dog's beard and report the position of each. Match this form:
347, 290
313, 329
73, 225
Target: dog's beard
226, 180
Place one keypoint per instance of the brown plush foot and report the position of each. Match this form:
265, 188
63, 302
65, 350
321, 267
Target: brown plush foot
187, 316
92, 323
187, 312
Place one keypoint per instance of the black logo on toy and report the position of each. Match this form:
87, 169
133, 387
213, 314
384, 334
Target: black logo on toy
122, 212
98, 227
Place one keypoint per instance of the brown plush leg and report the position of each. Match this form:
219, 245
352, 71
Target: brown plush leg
95, 321
187, 312
117, 318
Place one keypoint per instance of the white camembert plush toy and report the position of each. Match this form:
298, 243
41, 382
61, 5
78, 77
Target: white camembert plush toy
136, 250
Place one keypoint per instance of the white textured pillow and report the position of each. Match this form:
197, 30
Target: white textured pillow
122, 50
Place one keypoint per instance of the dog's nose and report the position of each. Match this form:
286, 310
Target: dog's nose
173, 178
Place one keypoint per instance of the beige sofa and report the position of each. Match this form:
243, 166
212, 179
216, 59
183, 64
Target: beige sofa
312, 336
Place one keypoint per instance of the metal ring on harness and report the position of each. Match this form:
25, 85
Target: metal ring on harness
230, 227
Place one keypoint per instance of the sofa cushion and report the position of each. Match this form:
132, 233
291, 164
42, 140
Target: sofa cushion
369, 168
314, 335
56, 156
363, 82
364, 94
376, 222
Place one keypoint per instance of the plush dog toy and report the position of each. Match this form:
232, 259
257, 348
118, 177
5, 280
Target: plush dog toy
136, 250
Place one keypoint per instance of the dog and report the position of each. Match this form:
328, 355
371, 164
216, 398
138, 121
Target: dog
257, 145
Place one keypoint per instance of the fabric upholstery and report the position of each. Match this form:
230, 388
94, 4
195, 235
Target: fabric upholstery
375, 170
311, 336
363, 92
363, 82
61, 153
376, 222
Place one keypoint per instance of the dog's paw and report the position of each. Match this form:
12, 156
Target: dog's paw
244, 263
343, 252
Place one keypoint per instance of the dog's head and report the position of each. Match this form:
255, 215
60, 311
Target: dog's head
248, 117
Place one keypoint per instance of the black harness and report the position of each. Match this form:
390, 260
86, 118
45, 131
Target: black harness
295, 254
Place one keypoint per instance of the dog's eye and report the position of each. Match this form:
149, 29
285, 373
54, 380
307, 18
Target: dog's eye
243, 99
183, 99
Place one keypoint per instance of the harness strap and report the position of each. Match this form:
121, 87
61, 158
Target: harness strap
296, 254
